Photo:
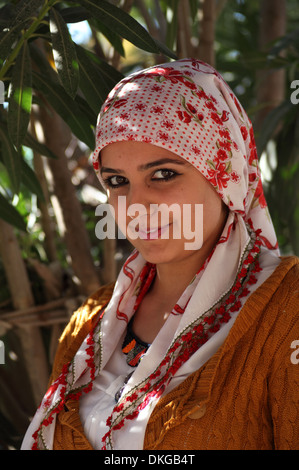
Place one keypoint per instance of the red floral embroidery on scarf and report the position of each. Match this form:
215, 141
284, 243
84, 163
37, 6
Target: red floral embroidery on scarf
140, 106
184, 116
216, 118
259, 196
190, 112
252, 177
221, 155
146, 139
236, 103
96, 165
156, 88
253, 153
167, 124
131, 137
191, 108
244, 132
163, 136
120, 102
201, 94
224, 133
157, 109
122, 128
62, 382
218, 176
235, 177
125, 116
196, 150
211, 105
226, 145
224, 116
115, 101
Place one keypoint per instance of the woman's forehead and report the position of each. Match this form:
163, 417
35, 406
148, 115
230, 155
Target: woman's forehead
140, 153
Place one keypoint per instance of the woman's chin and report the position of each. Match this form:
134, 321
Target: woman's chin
161, 251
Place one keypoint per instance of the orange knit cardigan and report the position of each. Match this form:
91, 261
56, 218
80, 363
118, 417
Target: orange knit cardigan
245, 397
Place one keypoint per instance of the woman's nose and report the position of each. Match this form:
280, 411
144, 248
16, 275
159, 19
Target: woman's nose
139, 194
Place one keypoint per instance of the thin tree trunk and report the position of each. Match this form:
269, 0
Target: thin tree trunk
46, 221
15, 269
184, 45
33, 349
57, 137
47, 225
271, 83
109, 273
207, 36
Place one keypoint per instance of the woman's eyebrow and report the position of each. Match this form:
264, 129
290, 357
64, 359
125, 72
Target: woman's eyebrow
105, 169
146, 166
162, 161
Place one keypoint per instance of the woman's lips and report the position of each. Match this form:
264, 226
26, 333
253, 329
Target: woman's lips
152, 234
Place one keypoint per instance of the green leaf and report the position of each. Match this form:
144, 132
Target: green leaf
29, 179
110, 35
7, 39
284, 42
38, 147
64, 53
66, 107
25, 10
95, 83
11, 159
165, 50
270, 124
21, 18
111, 74
20, 97
122, 23
90, 115
10, 214
41, 60
74, 14
6, 14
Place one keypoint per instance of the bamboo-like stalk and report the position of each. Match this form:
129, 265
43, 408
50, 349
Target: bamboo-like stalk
207, 36
34, 355
270, 82
57, 136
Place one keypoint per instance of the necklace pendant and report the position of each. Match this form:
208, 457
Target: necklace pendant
133, 347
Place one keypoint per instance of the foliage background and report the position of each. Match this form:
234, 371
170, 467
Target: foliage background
55, 81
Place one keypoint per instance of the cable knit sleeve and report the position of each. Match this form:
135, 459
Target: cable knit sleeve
284, 380
246, 397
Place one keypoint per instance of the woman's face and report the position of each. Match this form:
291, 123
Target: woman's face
157, 179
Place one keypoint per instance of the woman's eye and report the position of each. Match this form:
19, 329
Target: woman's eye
164, 174
115, 181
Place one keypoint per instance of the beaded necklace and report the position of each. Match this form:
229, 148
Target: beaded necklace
133, 347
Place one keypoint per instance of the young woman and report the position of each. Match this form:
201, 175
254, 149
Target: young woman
192, 347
